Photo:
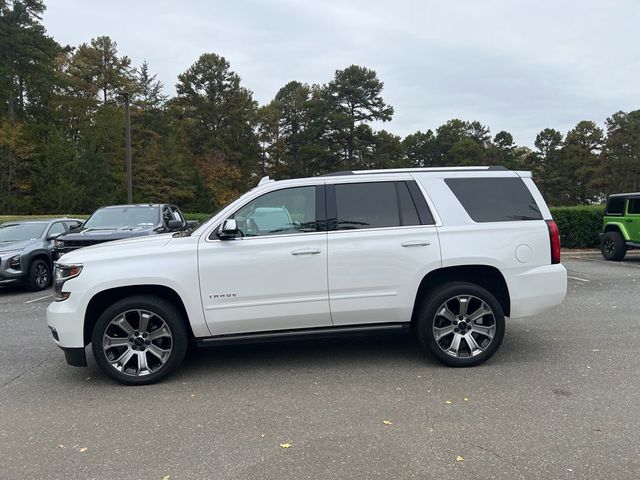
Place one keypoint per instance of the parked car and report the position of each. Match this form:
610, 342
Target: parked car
445, 253
621, 226
119, 222
26, 250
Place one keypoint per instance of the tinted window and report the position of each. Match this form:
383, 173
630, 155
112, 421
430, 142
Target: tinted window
291, 210
118, 217
408, 210
615, 206
56, 229
13, 232
495, 199
367, 205
634, 206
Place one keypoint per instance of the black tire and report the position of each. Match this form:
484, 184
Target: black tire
163, 313
39, 276
476, 296
613, 247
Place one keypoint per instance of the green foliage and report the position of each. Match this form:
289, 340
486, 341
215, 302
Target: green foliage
62, 131
579, 226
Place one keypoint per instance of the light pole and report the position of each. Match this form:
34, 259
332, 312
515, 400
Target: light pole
127, 134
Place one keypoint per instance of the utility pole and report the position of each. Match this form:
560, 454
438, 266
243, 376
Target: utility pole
127, 130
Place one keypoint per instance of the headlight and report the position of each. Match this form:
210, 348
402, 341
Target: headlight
61, 274
14, 262
13, 258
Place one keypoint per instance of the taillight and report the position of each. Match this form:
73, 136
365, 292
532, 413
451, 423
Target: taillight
554, 240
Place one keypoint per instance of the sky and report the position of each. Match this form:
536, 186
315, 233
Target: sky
514, 65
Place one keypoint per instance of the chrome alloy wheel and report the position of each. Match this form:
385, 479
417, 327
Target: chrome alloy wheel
137, 342
464, 326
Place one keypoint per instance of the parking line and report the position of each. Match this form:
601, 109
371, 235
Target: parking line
578, 278
41, 298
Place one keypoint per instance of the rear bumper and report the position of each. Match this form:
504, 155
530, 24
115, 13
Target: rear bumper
536, 290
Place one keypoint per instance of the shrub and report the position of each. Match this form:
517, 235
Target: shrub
579, 226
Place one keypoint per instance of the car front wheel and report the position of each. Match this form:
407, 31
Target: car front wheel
461, 324
39, 276
139, 340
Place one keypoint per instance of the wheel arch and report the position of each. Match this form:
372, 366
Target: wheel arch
617, 227
101, 300
485, 276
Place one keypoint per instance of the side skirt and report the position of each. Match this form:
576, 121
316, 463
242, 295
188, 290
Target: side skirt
303, 334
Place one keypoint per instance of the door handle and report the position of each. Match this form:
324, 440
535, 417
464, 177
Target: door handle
306, 251
417, 243
629, 220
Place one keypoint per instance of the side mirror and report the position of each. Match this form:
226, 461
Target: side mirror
174, 225
192, 224
54, 236
228, 230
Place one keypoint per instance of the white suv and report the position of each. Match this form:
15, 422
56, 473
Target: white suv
447, 253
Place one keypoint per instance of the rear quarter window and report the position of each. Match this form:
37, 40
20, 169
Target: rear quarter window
495, 199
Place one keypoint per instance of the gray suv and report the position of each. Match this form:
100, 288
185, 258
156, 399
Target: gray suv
25, 250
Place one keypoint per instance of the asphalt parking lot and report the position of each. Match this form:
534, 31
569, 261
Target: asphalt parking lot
560, 399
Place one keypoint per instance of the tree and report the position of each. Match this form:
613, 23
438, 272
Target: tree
26, 54
503, 151
621, 153
421, 150
217, 118
579, 162
354, 97
543, 163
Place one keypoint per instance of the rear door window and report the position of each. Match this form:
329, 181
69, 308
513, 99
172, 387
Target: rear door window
634, 206
366, 205
501, 199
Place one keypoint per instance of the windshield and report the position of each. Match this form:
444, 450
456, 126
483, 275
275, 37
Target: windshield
21, 231
121, 217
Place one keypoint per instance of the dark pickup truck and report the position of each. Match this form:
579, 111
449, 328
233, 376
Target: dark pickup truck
119, 222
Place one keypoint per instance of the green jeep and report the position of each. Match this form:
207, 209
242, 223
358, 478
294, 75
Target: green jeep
621, 228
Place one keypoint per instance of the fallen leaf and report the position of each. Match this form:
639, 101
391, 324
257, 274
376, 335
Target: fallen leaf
459, 459
166, 477
569, 470
466, 399
595, 350
387, 422
262, 435
193, 395
83, 449
448, 402
286, 445
60, 446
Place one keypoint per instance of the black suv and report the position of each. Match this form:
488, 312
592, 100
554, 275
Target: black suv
119, 222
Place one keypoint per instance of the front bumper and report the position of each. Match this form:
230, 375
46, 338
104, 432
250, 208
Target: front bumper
9, 276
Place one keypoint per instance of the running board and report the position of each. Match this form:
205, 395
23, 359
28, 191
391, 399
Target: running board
302, 334
633, 244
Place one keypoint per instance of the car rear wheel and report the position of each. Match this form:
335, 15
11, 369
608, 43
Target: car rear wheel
461, 324
39, 276
613, 247
139, 340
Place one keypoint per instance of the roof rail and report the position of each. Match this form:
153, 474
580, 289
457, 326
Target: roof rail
418, 169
